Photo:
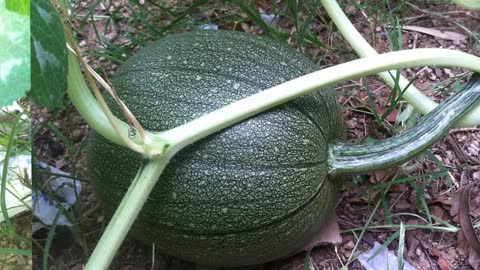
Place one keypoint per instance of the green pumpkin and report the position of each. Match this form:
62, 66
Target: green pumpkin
252, 193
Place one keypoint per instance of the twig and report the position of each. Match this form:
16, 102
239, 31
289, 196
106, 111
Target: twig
445, 17
128, 114
457, 130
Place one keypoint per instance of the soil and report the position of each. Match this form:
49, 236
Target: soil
458, 153
22, 225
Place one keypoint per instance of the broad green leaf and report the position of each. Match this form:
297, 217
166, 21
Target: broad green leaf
49, 55
20, 6
14, 55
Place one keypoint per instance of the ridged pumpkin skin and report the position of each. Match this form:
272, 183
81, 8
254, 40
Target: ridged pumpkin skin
249, 194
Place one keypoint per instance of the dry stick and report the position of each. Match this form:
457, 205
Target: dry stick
457, 130
444, 17
128, 114
99, 96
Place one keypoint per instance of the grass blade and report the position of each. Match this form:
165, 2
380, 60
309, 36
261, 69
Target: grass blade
401, 246
384, 245
3, 186
50, 236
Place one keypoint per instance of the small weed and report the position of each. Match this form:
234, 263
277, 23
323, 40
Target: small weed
15, 231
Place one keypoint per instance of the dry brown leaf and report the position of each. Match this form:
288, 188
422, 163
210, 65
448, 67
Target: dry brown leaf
455, 203
412, 240
381, 175
474, 260
373, 195
392, 117
462, 244
475, 203
434, 251
403, 205
246, 28
262, 4
438, 212
448, 35
443, 264
465, 220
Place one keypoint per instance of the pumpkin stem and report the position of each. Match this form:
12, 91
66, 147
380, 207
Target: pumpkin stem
371, 156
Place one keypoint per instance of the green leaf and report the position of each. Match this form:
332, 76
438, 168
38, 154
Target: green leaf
14, 55
19, 6
49, 55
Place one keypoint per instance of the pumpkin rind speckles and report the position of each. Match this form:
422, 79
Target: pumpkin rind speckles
249, 194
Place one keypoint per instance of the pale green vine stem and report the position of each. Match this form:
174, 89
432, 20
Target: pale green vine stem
100, 118
126, 111
237, 111
94, 114
171, 141
74, 51
126, 213
89, 107
412, 95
